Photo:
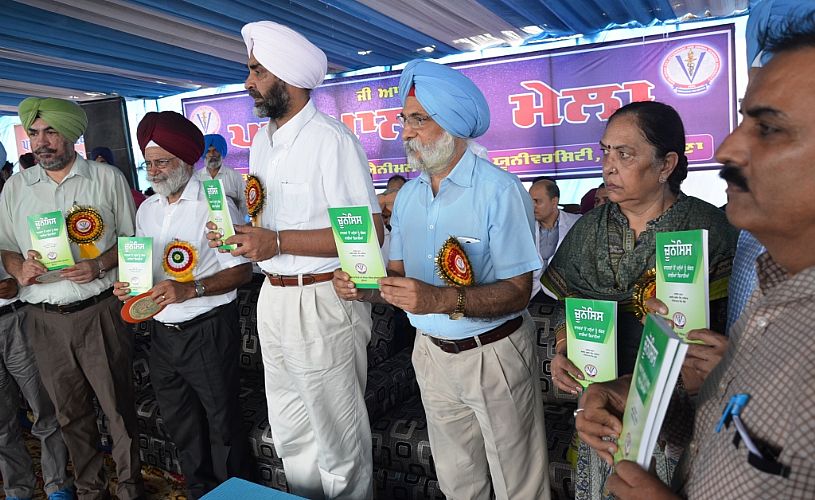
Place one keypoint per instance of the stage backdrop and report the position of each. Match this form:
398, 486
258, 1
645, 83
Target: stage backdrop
548, 108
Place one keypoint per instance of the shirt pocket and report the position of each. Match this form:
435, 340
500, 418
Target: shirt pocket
294, 206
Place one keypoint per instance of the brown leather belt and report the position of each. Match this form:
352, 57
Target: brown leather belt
307, 279
78, 305
488, 337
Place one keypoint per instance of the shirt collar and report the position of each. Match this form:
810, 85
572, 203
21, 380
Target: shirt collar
462, 173
286, 134
37, 174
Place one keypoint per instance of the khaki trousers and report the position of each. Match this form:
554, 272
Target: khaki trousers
485, 417
82, 354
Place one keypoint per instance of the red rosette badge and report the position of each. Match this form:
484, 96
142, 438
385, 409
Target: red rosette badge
453, 265
180, 258
644, 289
255, 197
85, 226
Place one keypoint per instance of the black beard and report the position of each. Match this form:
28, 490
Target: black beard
275, 104
734, 176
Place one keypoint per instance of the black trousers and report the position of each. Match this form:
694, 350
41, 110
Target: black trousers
195, 375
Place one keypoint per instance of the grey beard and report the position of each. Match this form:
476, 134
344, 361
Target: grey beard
214, 163
276, 104
174, 182
431, 158
60, 162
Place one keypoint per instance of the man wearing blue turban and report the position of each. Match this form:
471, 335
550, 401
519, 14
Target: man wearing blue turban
475, 350
215, 150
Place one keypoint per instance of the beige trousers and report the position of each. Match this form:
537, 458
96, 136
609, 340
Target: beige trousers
485, 417
314, 348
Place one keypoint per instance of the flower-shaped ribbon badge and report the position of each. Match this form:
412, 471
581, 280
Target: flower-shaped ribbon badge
85, 227
255, 197
180, 258
644, 289
452, 264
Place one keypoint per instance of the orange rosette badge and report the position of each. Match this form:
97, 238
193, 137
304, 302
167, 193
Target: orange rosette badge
85, 227
255, 197
180, 258
644, 289
453, 265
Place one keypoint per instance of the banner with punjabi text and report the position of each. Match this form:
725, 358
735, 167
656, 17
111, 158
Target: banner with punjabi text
548, 108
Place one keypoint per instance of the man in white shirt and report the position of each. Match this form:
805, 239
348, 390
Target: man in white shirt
313, 343
215, 150
195, 340
552, 226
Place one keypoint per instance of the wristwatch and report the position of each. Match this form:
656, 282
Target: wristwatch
200, 289
458, 312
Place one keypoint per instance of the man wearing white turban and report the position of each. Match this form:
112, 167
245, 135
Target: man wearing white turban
475, 352
313, 345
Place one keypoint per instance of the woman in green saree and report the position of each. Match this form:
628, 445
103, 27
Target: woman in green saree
609, 254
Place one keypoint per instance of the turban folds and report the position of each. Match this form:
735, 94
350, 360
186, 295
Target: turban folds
285, 53
2, 154
66, 117
216, 140
104, 152
770, 16
173, 132
449, 97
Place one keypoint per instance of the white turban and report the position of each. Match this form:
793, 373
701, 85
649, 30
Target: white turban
286, 53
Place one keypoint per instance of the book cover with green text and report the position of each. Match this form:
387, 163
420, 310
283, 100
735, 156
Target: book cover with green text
219, 210
682, 278
659, 360
136, 263
49, 237
357, 245
591, 338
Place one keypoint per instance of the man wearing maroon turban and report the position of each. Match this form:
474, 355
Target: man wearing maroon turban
195, 339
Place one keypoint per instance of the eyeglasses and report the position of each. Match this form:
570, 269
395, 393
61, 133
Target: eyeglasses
160, 163
413, 121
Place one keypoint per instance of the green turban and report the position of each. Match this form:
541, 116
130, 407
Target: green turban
66, 117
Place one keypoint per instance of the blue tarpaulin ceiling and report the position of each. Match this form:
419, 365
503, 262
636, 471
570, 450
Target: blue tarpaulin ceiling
82, 49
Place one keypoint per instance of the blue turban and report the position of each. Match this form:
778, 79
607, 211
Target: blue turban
770, 15
449, 97
104, 152
217, 141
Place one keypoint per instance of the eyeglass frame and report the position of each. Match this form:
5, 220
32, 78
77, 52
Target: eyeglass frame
414, 121
158, 163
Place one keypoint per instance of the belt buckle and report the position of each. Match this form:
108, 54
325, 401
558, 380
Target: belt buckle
453, 346
173, 326
311, 279
61, 308
276, 277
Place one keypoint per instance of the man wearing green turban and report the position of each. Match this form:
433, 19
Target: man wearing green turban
75, 330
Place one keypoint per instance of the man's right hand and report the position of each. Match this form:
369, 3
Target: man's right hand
121, 289
601, 416
345, 288
565, 374
31, 268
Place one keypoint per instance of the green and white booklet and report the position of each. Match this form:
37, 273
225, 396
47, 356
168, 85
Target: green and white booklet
682, 278
659, 360
219, 210
591, 338
357, 245
49, 237
136, 263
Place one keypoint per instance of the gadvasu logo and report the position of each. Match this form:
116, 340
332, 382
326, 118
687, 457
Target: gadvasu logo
691, 68
207, 119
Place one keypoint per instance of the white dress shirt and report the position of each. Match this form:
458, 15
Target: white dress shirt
185, 220
311, 163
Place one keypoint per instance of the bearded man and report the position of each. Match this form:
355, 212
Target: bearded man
313, 344
215, 150
475, 352
79, 340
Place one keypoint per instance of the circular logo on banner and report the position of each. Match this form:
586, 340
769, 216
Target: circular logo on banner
691, 68
207, 119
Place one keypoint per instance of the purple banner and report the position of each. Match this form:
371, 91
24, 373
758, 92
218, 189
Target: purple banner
548, 109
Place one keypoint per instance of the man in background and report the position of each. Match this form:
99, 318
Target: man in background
215, 150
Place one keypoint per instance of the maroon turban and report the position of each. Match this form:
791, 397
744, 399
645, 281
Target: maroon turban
173, 132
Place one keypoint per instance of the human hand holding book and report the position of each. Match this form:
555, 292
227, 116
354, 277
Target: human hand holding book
599, 419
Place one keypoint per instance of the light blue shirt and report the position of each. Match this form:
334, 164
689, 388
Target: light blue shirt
488, 210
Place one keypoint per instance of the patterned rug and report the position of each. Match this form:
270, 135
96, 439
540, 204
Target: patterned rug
158, 484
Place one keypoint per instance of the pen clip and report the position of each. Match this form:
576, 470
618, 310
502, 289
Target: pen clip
734, 407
